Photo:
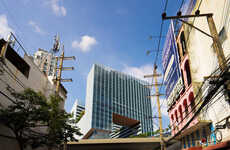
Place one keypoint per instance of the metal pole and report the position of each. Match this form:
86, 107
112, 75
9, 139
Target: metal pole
159, 109
216, 43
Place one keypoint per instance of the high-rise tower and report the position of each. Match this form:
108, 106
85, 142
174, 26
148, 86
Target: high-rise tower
45, 61
117, 105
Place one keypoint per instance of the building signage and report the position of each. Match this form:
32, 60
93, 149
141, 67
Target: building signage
172, 74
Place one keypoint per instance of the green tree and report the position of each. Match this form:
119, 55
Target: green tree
36, 121
80, 116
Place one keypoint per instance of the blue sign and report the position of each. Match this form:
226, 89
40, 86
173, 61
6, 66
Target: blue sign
171, 62
186, 9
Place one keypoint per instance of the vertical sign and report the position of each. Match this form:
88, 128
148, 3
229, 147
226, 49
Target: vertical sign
171, 66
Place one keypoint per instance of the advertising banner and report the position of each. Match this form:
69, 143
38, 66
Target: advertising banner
172, 74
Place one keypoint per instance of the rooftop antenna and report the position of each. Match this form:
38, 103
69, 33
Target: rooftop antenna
56, 45
55, 49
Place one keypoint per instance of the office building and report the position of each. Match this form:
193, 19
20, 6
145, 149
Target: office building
117, 105
77, 109
45, 61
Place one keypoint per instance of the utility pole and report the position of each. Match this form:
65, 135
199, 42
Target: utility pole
58, 70
214, 34
155, 75
216, 43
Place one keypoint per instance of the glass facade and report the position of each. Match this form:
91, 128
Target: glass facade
116, 92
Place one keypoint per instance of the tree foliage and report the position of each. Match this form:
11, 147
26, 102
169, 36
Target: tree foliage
156, 133
80, 116
36, 121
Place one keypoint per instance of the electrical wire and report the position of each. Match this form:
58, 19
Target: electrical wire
200, 90
162, 104
186, 43
160, 37
203, 101
161, 30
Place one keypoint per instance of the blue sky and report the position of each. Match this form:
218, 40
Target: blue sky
110, 32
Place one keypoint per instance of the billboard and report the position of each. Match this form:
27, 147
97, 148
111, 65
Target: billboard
171, 67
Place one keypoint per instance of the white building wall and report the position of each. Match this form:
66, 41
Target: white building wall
200, 48
203, 59
85, 124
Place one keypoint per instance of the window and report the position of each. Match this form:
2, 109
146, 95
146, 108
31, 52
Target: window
183, 43
203, 132
188, 74
185, 107
192, 102
176, 116
184, 141
172, 118
179, 51
188, 141
180, 112
193, 139
198, 135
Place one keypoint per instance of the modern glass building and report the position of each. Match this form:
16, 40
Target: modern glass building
117, 105
77, 109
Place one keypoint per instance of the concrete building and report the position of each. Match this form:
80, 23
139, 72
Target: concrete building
18, 72
121, 144
46, 62
195, 123
77, 109
117, 105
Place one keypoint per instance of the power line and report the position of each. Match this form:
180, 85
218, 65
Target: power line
159, 41
204, 100
161, 30
176, 25
160, 37
187, 36
181, 4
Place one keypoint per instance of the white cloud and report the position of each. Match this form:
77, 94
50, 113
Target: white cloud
4, 27
36, 28
85, 44
57, 8
139, 72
